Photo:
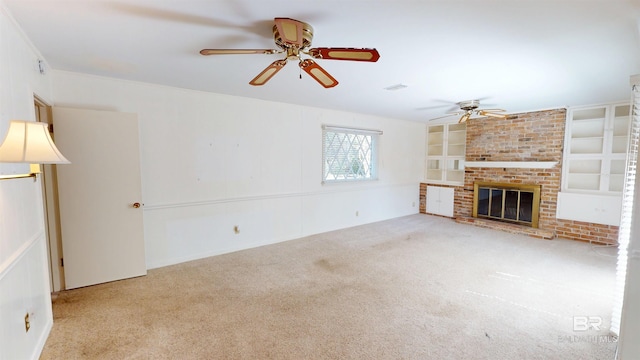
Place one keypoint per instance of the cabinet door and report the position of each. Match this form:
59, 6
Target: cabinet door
445, 153
598, 209
433, 199
440, 200
446, 201
435, 169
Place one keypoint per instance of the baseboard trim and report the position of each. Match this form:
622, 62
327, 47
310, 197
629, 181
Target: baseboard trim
37, 351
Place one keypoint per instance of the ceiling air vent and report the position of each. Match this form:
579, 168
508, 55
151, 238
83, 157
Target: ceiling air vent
395, 87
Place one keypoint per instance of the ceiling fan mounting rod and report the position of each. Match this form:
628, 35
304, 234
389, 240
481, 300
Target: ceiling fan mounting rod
293, 53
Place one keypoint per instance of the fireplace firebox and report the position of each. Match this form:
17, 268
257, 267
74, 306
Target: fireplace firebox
515, 203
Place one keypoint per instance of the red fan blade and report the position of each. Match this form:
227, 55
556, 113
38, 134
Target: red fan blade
290, 30
319, 74
345, 54
238, 51
268, 73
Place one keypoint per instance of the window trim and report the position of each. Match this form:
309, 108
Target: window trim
375, 150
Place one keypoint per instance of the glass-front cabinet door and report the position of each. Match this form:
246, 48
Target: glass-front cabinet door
446, 145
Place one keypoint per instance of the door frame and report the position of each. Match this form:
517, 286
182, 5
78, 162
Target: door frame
49, 181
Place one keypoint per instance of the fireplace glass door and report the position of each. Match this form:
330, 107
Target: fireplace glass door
507, 202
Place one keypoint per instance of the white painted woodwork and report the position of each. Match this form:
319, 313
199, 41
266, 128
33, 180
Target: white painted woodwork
511, 164
440, 200
596, 143
445, 154
24, 275
102, 233
592, 208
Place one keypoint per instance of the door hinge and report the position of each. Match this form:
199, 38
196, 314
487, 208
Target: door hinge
61, 262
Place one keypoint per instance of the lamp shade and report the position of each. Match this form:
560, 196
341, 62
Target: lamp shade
30, 142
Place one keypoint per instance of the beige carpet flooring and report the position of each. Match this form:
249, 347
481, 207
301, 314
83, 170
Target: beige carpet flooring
416, 287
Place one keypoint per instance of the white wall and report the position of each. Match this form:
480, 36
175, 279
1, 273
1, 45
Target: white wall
211, 162
24, 279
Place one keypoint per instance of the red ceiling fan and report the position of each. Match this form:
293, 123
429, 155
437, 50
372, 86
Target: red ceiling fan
293, 38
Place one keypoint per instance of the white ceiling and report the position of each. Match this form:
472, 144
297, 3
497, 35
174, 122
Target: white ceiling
519, 55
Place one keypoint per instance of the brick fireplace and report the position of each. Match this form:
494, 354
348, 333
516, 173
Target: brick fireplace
525, 148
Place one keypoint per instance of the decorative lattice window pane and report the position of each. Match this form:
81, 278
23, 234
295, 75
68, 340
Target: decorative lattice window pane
349, 154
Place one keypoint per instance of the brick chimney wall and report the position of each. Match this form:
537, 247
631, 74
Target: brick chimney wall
532, 136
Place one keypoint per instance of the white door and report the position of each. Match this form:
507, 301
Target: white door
100, 196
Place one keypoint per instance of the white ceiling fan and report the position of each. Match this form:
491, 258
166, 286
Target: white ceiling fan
468, 108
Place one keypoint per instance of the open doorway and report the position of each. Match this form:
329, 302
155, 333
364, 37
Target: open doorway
51, 208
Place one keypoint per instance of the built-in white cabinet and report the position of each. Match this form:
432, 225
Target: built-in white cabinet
440, 200
445, 153
596, 143
598, 209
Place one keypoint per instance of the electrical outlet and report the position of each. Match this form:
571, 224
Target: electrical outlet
357, 213
413, 204
27, 323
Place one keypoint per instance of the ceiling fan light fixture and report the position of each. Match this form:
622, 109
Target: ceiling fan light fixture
470, 107
293, 37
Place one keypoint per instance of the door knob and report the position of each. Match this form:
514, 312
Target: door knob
136, 205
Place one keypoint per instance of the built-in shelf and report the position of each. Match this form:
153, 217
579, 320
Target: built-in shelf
597, 140
445, 154
596, 144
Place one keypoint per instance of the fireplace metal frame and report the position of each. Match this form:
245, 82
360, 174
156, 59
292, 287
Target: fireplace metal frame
535, 211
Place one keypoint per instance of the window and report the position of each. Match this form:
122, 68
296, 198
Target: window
349, 154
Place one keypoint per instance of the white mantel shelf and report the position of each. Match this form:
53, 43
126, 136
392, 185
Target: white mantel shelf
511, 164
